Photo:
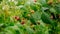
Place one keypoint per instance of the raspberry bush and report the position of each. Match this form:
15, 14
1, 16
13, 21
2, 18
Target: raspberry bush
29, 16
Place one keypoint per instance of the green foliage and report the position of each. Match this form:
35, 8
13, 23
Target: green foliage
29, 17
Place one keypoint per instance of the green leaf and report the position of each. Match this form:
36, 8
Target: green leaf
33, 7
11, 24
52, 10
46, 19
43, 3
32, 20
29, 30
17, 32
0, 1
57, 8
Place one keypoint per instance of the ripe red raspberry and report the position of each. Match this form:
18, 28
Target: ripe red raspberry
22, 22
34, 0
17, 17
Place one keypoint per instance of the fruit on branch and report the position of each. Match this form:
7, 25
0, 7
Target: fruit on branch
38, 22
32, 11
22, 22
23, 18
32, 25
36, 17
17, 17
28, 15
35, 0
50, 2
